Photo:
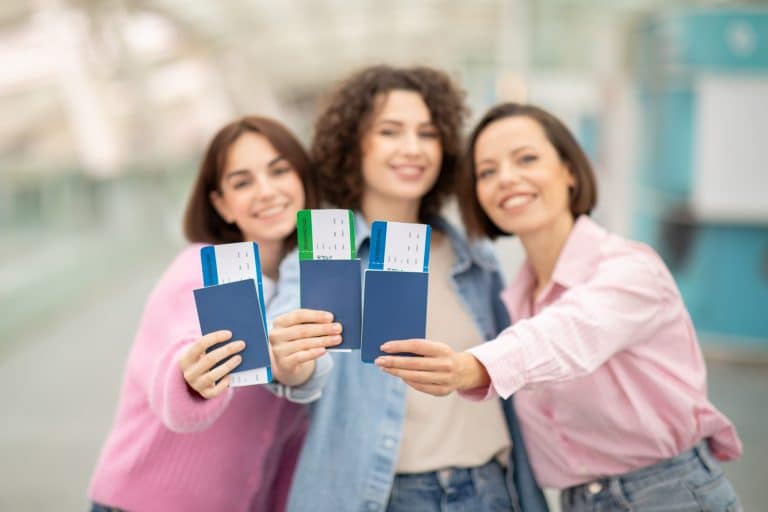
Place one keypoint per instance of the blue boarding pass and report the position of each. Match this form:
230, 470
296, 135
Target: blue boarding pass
396, 286
401, 246
227, 263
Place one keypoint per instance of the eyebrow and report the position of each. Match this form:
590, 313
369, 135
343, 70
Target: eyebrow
400, 123
239, 172
514, 151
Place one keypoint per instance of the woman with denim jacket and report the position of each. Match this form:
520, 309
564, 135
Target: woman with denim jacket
609, 379
387, 145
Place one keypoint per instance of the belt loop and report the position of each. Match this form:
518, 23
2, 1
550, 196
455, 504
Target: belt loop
617, 491
702, 452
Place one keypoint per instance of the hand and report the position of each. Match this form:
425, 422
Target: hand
198, 367
297, 339
440, 371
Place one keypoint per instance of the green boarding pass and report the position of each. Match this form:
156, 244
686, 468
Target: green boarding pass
326, 234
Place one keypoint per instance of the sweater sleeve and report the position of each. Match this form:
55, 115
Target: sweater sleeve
169, 326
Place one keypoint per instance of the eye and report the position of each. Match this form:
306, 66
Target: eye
283, 169
388, 132
240, 184
485, 172
428, 134
528, 159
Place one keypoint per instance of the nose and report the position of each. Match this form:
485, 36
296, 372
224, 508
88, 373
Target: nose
265, 188
508, 174
411, 143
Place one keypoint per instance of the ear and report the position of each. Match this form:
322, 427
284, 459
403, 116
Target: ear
220, 206
571, 176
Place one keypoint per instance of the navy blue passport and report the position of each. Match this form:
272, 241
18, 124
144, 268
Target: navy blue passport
235, 307
335, 286
395, 308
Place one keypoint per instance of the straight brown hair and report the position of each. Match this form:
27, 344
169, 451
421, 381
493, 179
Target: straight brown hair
583, 195
202, 223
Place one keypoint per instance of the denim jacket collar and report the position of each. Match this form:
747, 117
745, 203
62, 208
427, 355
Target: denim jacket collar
480, 253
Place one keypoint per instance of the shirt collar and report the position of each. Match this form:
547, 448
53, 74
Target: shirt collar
574, 265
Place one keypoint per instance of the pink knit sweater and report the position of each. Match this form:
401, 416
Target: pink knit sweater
169, 448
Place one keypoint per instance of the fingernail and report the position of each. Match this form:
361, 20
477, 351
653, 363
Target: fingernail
336, 327
328, 317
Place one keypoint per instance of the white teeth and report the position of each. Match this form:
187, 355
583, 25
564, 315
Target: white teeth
407, 170
271, 211
515, 201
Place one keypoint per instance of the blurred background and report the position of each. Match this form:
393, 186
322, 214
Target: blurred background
107, 106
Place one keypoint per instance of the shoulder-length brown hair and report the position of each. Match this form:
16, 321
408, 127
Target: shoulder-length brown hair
202, 223
583, 196
347, 115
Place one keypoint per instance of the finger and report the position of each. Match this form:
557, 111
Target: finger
303, 316
303, 331
432, 364
224, 369
304, 356
415, 346
217, 389
199, 347
213, 357
287, 349
420, 377
431, 389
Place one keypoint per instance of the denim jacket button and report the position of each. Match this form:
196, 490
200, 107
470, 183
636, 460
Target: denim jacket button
389, 442
372, 505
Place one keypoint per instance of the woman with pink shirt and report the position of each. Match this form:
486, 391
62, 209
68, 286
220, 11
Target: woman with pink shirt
181, 441
608, 376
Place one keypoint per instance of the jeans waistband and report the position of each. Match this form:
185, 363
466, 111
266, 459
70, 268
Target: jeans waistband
700, 452
449, 476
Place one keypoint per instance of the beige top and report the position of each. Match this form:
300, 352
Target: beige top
449, 431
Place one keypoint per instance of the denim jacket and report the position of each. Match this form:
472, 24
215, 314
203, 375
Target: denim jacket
349, 455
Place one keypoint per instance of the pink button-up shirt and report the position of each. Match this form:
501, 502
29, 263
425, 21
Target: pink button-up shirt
605, 365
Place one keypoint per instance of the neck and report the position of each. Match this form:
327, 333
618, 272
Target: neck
270, 254
543, 248
376, 207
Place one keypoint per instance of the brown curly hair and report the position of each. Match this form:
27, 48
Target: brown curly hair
346, 116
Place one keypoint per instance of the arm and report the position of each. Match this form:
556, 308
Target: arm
575, 335
302, 384
570, 338
168, 331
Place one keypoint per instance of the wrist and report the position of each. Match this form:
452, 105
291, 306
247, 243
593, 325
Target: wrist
300, 375
473, 373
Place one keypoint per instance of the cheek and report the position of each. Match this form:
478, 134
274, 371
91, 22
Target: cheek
484, 193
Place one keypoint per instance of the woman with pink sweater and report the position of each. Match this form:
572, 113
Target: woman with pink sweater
180, 440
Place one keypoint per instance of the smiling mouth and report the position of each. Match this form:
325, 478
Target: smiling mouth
271, 211
517, 201
408, 172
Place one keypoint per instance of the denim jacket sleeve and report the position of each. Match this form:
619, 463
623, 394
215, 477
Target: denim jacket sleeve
286, 299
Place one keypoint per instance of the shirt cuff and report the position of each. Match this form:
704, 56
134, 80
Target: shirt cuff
312, 389
504, 363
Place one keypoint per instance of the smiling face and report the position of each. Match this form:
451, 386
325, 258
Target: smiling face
259, 190
521, 182
401, 150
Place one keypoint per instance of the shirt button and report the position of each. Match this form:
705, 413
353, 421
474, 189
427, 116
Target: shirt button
389, 442
595, 487
372, 505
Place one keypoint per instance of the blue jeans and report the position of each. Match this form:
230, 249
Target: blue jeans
480, 489
95, 507
693, 481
